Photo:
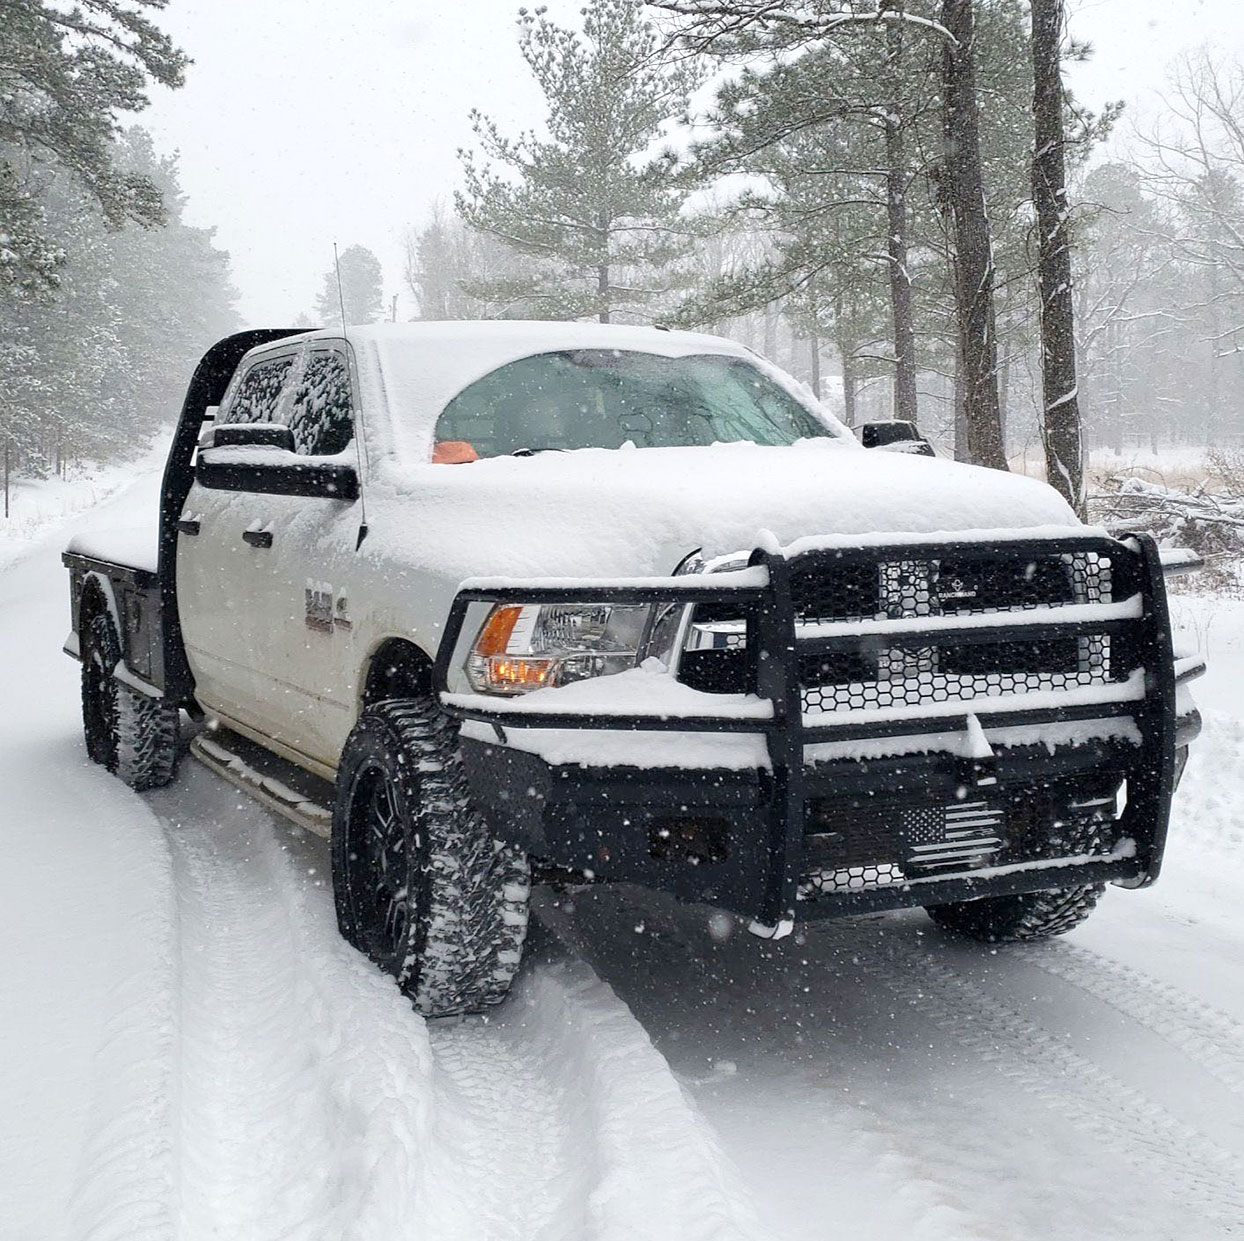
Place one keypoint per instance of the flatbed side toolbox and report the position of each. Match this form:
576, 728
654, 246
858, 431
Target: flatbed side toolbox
133, 596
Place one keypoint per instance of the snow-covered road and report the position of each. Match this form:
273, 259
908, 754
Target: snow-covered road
188, 1050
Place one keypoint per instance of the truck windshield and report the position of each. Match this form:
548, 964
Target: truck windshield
604, 398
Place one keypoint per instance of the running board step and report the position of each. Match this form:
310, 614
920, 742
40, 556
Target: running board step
267, 790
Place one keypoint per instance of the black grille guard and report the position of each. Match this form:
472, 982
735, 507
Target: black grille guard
764, 596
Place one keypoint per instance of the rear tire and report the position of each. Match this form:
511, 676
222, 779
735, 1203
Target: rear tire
100, 655
131, 734
148, 730
1029, 916
421, 884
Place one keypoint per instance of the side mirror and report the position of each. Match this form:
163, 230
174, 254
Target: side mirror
253, 435
895, 435
276, 472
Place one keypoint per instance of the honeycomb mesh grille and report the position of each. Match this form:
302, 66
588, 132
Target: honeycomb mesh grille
951, 586
879, 678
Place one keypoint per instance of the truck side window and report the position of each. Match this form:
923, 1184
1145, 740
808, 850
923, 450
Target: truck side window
321, 419
259, 393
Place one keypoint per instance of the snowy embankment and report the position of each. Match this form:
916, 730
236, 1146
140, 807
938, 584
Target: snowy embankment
187, 1049
39, 506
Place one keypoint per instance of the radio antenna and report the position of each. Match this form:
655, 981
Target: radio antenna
358, 438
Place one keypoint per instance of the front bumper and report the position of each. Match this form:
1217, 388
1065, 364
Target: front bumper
803, 837
702, 835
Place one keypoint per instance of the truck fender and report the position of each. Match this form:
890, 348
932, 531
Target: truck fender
395, 668
96, 588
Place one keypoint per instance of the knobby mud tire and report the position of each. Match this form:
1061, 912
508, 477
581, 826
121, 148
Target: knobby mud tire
148, 731
101, 652
131, 734
1029, 916
456, 944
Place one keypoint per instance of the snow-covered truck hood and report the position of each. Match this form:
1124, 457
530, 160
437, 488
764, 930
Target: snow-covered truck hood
638, 512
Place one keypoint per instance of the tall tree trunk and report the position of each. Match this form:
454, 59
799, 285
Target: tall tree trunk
1004, 386
602, 271
963, 451
771, 331
1213, 406
602, 291
896, 222
1061, 434
848, 384
814, 351
973, 248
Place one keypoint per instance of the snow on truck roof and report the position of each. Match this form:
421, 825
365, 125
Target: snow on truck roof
413, 370
521, 337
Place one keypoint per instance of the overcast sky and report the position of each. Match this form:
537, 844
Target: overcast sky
308, 121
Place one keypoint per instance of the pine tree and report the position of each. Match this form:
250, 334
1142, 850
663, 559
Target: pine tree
590, 203
827, 135
455, 272
65, 72
839, 112
95, 371
361, 289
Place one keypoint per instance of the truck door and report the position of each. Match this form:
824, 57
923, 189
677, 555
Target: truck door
215, 563
298, 582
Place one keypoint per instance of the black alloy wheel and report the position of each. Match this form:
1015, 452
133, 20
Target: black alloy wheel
382, 888
421, 884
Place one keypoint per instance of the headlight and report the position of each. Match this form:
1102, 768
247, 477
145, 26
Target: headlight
524, 647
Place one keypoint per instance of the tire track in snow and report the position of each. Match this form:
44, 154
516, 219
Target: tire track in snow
297, 1116
315, 1103
934, 1207
123, 1183
768, 992
496, 1110
1209, 1178
1204, 1034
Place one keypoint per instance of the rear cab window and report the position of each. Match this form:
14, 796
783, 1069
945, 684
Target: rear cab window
257, 398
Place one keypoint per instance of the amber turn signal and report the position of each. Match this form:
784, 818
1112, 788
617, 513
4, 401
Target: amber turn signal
494, 637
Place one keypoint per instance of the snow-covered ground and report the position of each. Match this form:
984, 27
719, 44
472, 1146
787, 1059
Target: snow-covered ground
187, 1050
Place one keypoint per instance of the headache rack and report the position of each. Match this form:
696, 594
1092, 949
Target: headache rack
857, 644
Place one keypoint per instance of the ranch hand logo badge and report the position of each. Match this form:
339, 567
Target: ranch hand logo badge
959, 589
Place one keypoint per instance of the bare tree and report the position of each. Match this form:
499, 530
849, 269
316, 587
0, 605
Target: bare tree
1195, 165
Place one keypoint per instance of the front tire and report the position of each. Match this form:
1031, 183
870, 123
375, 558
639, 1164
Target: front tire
1029, 916
421, 885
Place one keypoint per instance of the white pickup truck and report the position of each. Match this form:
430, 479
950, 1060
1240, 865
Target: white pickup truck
621, 604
